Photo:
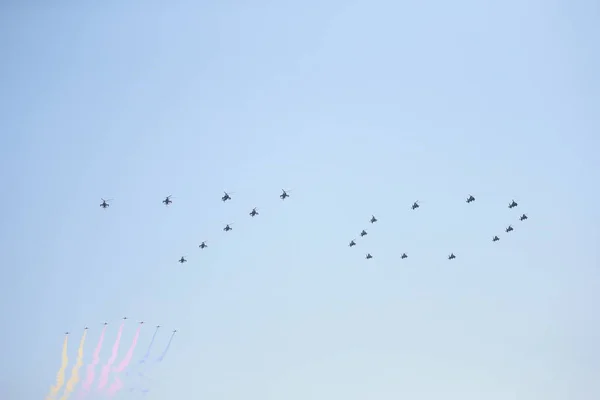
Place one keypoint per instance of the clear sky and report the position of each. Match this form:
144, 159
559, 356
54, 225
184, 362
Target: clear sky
359, 108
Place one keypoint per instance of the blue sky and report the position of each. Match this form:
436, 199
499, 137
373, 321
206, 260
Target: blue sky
359, 108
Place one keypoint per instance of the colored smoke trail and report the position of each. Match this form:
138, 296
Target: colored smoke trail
74, 379
60, 375
164, 353
91, 368
106, 369
117, 384
143, 360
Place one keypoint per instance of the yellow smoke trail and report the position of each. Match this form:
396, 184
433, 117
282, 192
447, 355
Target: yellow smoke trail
74, 379
60, 375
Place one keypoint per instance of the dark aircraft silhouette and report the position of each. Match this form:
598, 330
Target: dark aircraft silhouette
106, 323
509, 229
495, 238
157, 326
451, 256
104, 203
66, 333
404, 256
203, 245
167, 200
470, 198
368, 256
523, 217
415, 205
373, 219
363, 233
253, 213
175, 330
513, 204
124, 318
141, 322
226, 197
352, 243
228, 228
182, 260
85, 328
283, 194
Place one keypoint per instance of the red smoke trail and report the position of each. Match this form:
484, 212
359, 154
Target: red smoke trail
91, 368
117, 384
106, 369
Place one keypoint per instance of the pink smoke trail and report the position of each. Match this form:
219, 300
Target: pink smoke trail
117, 384
106, 368
91, 368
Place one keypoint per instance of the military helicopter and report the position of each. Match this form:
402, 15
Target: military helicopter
415, 205
104, 203
283, 194
368, 256
513, 204
106, 323
203, 245
363, 233
167, 200
175, 331
352, 243
509, 229
226, 197
470, 198
86, 328
404, 256
182, 260
253, 213
124, 318
373, 219
66, 333
451, 256
228, 228
495, 238
523, 217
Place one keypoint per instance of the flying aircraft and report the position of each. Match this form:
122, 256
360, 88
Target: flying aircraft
513, 204
141, 322
509, 229
523, 217
85, 328
106, 323
124, 318
157, 326
363, 233
451, 256
168, 200
175, 330
470, 198
404, 256
203, 245
104, 203
283, 194
368, 256
182, 260
495, 238
226, 197
66, 333
352, 243
415, 205
253, 213
373, 219
228, 228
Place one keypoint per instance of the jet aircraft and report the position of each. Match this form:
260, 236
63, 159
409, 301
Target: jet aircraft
253, 213
523, 217
226, 197
167, 200
470, 198
104, 203
513, 204
509, 229
283, 194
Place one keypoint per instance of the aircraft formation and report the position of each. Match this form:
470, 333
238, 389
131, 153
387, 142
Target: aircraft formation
451, 256
167, 201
